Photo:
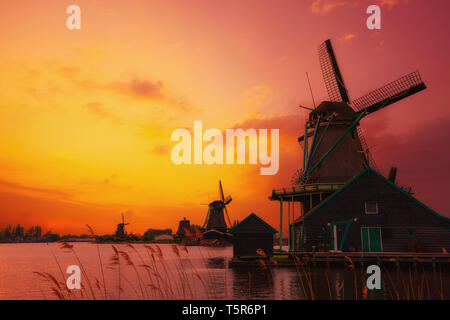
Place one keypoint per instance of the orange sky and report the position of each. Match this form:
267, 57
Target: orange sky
86, 115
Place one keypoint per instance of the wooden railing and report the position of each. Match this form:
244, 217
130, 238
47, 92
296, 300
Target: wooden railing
308, 188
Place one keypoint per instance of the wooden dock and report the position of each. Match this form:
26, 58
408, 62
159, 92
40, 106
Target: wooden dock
359, 259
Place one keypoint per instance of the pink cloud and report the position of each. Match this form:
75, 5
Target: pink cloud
20, 187
160, 149
97, 109
348, 37
391, 3
150, 90
140, 88
325, 6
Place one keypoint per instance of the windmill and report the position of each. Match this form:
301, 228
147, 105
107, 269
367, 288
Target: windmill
332, 140
215, 217
120, 231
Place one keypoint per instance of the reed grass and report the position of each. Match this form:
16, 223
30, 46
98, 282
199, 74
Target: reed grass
156, 276
154, 279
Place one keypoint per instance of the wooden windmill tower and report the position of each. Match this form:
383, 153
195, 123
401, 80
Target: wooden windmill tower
215, 218
120, 231
334, 149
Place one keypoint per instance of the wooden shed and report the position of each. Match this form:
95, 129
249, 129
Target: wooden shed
252, 234
372, 214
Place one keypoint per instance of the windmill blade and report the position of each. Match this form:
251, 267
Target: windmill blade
366, 150
227, 200
228, 218
207, 218
331, 73
221, 191
390, 93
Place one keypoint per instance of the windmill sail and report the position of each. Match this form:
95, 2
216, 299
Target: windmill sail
390, 93
337, 156
366, 150
225, 201
331, 74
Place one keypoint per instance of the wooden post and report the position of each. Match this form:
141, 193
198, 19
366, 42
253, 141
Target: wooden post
289, 225
310, 201
291, 229
281, 223
335, 245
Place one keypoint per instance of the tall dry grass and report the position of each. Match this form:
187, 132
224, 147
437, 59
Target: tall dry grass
156, 276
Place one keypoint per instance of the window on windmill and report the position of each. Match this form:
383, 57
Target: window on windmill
371, 207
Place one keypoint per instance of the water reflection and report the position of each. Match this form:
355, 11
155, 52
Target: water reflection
252, 283
338, 287
203, 273
216, 263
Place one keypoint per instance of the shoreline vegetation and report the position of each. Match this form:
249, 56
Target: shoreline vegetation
34, 234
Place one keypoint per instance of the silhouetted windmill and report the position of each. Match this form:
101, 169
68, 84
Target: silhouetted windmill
332, 142
215, 217
120, 231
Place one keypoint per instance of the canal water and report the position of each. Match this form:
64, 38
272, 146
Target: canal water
165, 271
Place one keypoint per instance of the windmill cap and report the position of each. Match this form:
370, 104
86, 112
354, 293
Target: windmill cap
216, 203
327, 108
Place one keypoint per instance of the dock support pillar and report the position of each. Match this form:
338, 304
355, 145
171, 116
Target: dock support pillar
281, 224
289, 225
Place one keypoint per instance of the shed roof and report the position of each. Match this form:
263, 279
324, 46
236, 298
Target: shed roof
248, 219
363, 172
215, 231
164, 237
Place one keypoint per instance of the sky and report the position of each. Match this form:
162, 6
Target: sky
86, 115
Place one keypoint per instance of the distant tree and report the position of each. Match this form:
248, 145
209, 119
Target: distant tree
8, 231
3, 234
51, 237
149, 235
133, 237
18, 231
35, 231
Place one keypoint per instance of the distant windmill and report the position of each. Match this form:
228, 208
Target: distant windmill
215, 217
120, 231
332, 142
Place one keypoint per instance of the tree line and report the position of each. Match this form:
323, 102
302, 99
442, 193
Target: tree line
20, 233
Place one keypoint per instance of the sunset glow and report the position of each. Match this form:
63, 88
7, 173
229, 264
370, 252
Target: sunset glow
86, 116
